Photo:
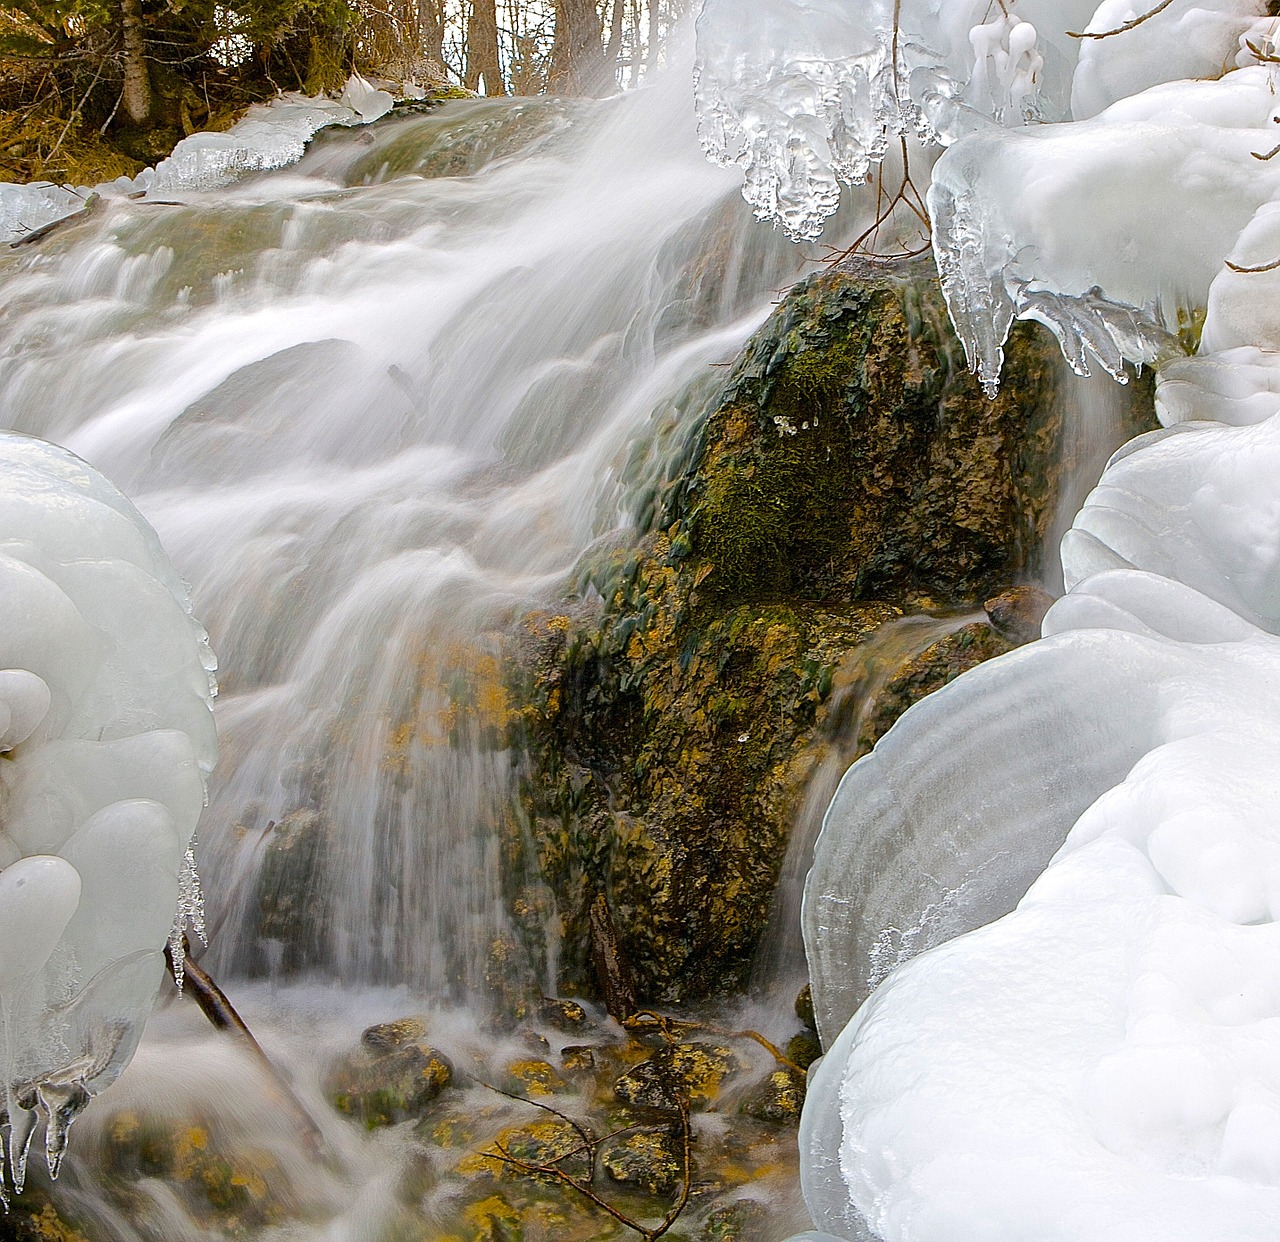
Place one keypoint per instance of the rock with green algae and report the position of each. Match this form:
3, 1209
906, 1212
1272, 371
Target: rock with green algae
852, 471
779, 1097
232, 1189
932, 669
688, 1074
393, 1076
33, 1218
650, 1159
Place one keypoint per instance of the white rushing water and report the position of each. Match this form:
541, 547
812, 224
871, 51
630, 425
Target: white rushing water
374, 412
1096, 1058
377, 405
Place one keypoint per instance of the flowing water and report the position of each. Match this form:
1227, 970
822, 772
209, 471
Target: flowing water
377, 405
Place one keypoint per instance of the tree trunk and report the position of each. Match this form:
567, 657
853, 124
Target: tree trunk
613, 53
137, 83
431, 29
577, 52
483, 59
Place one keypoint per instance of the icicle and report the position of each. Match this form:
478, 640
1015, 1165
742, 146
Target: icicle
190, 915
21, 1126
59, 1104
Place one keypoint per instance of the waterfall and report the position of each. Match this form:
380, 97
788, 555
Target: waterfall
376, 405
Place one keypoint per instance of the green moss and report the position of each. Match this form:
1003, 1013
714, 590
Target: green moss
852, 471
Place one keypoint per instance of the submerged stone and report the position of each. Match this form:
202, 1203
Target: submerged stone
779, 1097
392, 1077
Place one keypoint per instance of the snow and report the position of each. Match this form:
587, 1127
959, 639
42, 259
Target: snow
107, 734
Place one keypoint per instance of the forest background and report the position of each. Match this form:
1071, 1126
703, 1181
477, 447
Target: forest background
95, 89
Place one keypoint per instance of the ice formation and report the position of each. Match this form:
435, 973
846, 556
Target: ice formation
269, 135
1042, 918
807, 94
106, 737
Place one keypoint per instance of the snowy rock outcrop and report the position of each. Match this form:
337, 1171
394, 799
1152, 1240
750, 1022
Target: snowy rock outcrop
106, 738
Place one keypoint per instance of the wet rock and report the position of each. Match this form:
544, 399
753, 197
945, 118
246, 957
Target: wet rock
392, 1077
32, 1218
939, 664
388, 1036
538, 1145
293, 906
740, 1221
492, 1219
692, 1073
803, 1049
563, 1015
578, 1057
779, 1097
1016, 614
238, 1190
651, 1160
534, 1078
850, 471
804, 1008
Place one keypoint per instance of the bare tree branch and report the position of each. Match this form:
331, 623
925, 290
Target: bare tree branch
1119, 30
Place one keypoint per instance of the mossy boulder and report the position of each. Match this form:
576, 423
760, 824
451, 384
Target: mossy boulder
649, 1159
393, 1076
854, 456
779, 1097
851, 472
688, 1075
235, 1189
33, 1218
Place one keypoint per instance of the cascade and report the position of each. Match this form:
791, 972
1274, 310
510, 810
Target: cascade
388, 403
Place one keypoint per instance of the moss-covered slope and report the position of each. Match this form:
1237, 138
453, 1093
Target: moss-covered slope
852, 471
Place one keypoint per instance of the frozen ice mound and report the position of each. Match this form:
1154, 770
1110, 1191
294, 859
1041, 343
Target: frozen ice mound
1060, 223
106, 739
1088, 1053
809, 94
270, 135
1041, 920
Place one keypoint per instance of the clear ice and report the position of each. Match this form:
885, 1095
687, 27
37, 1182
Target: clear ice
269, 135
106, 738
1042, 917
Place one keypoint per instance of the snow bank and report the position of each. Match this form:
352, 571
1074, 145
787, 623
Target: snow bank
106, 738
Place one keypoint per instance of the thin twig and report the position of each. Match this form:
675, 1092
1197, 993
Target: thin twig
589, 1148
1119, 30
1250, 271
587, 1141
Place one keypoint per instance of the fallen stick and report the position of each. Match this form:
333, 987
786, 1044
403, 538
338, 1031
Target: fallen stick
215, 1005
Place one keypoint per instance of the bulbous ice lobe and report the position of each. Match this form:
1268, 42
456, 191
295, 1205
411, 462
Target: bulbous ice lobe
106, 738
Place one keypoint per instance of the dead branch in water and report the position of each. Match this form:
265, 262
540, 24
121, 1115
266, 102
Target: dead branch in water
215, 1005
